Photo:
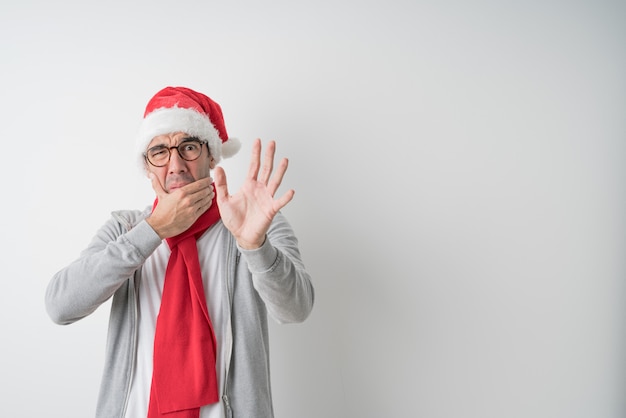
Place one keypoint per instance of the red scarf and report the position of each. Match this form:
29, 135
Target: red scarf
184, 377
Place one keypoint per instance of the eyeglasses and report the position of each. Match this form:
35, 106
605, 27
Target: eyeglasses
189, 150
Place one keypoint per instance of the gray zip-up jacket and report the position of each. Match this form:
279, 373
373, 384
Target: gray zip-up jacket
271, 279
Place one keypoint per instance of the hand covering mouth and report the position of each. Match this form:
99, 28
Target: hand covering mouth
177, 181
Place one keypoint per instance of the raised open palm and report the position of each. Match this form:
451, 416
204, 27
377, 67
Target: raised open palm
248, 213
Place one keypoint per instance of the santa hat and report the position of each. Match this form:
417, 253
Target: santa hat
180, 109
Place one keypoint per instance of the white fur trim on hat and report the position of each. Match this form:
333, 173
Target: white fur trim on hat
175, 119
230, 147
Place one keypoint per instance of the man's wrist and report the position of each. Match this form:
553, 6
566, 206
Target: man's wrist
155, 226
251, 246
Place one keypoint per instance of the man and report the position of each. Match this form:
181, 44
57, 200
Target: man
193, 277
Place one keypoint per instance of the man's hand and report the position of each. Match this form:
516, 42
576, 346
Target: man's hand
248, 213
178, 210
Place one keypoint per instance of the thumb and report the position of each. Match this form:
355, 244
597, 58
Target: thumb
221, 187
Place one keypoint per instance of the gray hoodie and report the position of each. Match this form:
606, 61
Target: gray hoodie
271, 279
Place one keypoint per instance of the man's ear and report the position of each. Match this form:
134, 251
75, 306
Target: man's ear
212, 163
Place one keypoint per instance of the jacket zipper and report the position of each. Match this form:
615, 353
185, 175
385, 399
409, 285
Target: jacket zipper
230, 276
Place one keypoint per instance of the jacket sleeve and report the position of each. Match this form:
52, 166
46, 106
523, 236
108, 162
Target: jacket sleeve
279, 275
111, 258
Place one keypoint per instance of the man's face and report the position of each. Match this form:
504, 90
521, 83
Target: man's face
179, 172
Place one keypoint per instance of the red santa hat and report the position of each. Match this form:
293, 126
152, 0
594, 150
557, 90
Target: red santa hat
180, 109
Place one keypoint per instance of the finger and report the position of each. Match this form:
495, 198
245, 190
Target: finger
277, 178
205, 203
197, 186
268, 162
221, 187
207, 194
198, 189
203, 196
284, 200
255, 160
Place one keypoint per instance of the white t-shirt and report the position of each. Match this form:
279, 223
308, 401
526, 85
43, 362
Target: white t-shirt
212, 263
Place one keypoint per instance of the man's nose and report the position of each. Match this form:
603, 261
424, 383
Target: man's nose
177, 164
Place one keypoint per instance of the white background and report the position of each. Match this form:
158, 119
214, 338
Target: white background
459, 170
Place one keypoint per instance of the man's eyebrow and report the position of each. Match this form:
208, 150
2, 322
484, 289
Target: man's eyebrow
185, 139
161, 145
190, 138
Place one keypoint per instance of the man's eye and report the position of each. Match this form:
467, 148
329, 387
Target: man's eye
190, 146
159, 152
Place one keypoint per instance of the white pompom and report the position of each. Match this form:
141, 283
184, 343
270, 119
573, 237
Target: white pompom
230, 147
